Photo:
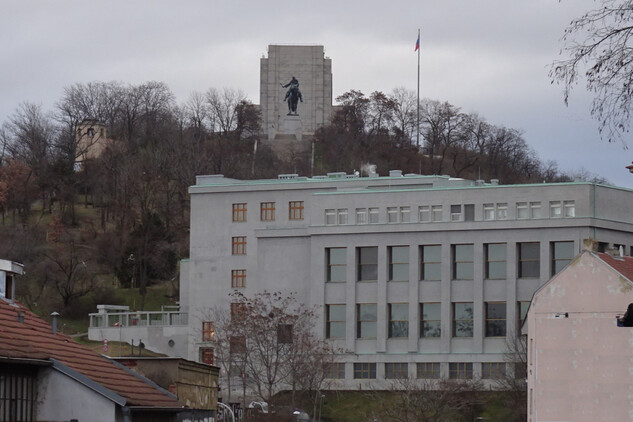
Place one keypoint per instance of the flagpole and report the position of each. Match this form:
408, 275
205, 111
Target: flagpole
418, 122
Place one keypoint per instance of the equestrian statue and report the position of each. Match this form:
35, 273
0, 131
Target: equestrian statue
293, 95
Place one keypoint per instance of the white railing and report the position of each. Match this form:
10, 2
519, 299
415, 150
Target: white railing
138, 319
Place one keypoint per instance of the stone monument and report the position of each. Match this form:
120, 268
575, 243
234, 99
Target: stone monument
308, 70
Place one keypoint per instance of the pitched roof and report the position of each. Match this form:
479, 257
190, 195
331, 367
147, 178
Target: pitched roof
34, 339
622, 264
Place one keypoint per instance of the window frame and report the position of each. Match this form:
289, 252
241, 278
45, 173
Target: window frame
490, 322
329, 322
396, 370
458, 265
267, 211
423, 369
460, 370
522, 262
329, 264
364, 370
393, 329
361, 267
433, 324
467, 322
424, 262
238, 245
238, 278
560, 262
295, 210
363, 325
488, 260
361, 216
393, 265
208, 331
493, 370
239, 212
330, 217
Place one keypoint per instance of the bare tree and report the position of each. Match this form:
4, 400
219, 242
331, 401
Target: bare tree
428, 401
597, 48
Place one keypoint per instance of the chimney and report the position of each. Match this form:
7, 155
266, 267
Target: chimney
21, 316
54, 323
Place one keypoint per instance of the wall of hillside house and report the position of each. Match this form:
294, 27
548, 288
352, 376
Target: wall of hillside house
61, 398
580, 363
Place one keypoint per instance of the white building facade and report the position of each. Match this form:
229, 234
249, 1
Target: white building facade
416, 276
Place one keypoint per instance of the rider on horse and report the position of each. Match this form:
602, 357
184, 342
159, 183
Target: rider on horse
294, 85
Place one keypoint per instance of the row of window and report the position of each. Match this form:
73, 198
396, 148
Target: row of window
462, 323
458, 212
267, 211
462, 261
427, 370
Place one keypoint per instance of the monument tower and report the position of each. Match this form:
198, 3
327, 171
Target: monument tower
313, 74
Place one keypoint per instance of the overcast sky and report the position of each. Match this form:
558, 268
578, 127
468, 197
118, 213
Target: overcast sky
490, 57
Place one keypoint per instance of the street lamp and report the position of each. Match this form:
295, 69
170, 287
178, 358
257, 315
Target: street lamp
224, 406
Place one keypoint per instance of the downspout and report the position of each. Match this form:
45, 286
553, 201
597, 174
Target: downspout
594, 210
127, 414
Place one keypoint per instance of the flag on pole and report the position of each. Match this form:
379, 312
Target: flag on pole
417, 44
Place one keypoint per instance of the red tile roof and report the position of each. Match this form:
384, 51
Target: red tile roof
34, 339
623, 265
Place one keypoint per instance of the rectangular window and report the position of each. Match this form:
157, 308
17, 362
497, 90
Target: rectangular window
238, 279
398, 320
431, 262
364, 371
424, 213
430, 319
555, 209
237, 345
336, 261
535, 210
436, 213
569, 209
335, 370
495, 261
238, 311
428, 370
495, 319
330, 217
522, 308
361, 215
469, 212
206, 355
367, 263
284, 334
341, 215
396, 370
18, 392
239, 212
456, 213
335, 325
529, 259
398, 263
463, 267
460, 370
522, 210
562, 254
502, 211
493, 370
295, 210
374, 216
462, 319
392, 214
267, 211
238, 245
489, 211
207, 331
405, 214
366, 317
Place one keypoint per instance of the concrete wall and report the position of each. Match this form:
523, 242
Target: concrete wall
580, 365
61, 398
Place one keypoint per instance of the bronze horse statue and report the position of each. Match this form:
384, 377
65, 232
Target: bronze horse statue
293, 99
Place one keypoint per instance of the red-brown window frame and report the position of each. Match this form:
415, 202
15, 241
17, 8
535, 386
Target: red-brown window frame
239, 212
238, 279
267, 211
295, 210
207, 330
238, 245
